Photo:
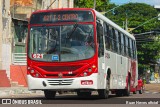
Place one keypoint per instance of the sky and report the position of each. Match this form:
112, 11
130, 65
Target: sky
150, 2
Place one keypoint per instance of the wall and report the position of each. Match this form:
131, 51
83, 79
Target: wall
4, 82
1, 35
18, 74
6, 37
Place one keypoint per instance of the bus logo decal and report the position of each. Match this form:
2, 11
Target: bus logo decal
60, 82
60, 75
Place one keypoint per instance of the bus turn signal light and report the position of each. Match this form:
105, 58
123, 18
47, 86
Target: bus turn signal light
34, 73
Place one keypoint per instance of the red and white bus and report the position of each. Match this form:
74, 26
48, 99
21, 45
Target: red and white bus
81, 50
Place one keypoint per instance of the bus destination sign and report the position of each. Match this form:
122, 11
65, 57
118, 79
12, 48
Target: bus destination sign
61, 16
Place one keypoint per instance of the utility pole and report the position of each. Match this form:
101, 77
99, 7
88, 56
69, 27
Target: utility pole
94, 7
126, 24
1, 36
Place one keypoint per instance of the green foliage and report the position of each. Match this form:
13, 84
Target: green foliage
101, 5
137, 14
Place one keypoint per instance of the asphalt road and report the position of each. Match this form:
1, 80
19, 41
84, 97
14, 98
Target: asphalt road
74, 99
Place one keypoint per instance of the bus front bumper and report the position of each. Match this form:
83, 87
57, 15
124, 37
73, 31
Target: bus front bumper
88, 82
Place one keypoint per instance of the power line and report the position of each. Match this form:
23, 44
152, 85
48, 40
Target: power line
144, 23
50, 4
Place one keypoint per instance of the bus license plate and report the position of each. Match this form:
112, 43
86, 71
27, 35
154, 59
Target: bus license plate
86, 82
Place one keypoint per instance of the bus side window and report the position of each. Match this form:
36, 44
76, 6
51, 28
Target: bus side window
110, 37
134, 50
106, 35
119, 42
100, 39
122, 44
129, 48
126, 38
113, 40
116, 42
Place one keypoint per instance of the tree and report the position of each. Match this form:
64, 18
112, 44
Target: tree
101, 5
136, 14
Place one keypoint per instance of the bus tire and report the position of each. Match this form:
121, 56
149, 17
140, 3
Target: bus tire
49, 94
141, 90
104, 93
127, 91
135, 92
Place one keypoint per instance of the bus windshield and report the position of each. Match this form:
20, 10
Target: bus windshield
61, 43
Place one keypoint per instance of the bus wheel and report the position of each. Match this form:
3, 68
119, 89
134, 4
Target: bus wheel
135, 92
141, 91
127, 91
104, 93
49, 94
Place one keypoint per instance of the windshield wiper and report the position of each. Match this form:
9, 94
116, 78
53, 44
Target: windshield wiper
73, 30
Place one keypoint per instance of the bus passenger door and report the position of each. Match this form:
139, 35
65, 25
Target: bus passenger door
101, 63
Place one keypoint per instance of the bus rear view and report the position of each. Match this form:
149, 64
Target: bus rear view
61, 51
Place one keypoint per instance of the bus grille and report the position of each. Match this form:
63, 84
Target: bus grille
60, 68
60, 82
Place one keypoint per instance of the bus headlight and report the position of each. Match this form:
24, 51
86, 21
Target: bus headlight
85, 74
34, 73
88, 71
37, 75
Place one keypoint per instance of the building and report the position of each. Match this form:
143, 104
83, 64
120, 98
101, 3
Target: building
14, 20
6, 37
20, 13
5, 42
57, 4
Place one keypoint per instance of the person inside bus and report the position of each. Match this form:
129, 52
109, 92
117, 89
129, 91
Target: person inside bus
74, 34
52, 41
83, 35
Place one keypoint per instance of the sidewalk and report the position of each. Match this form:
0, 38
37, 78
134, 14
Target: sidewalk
152, 87
9, 91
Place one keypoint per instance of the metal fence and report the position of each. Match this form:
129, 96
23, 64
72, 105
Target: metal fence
19, 58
